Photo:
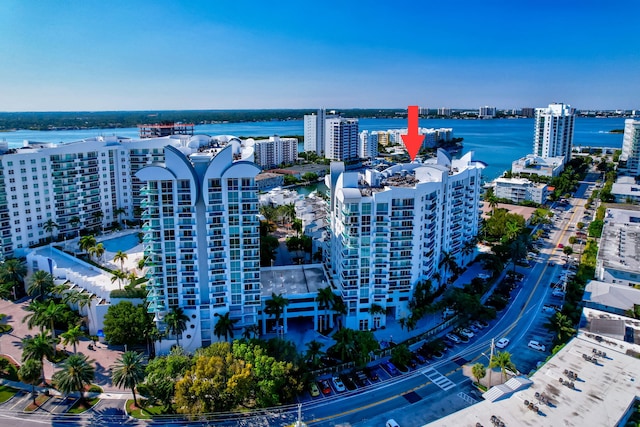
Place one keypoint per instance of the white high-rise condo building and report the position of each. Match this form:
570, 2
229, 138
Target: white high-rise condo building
202, 240
553, 136
487, 112
341, 139
390, 230
630, 156
368, 148
314, 131
275, 151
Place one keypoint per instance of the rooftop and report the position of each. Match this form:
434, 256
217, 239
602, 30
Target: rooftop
620, 242
525, 211
292, 280
601, 395
615, 296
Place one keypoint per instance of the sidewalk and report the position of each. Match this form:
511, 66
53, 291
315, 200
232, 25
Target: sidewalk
53, 392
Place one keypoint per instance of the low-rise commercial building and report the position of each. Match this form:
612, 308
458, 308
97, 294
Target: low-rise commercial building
536, 165
618, 259
520, 189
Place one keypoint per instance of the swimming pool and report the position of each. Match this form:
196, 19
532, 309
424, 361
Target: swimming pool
122, 243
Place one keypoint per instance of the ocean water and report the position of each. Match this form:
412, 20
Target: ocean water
496, 142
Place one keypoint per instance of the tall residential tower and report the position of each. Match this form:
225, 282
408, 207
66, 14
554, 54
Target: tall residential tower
630, 157
553, 135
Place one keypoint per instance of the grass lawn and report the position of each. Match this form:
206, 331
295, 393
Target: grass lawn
145, 413
11, 373
6, 393
39, 401
82, 405
5, 328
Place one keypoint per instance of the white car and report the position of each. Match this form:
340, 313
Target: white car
502, 342
391, 423
338, 384
466, 332
454, 338
536, 345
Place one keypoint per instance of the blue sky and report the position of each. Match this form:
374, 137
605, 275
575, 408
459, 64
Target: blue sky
218, 54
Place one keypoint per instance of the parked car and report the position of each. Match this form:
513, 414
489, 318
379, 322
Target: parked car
536, 345
391, 423
453, 338
314, 391
474, 328
390, 368
481, 323
413, 362
360, 378
338, 384
324, 387
466, 332
502, 342
347, 380
421, 360
372, 373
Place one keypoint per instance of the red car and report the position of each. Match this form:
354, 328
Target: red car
324, 386
560, 246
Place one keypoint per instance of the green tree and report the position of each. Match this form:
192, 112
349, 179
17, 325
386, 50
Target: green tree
126, 324
224, 326
479, 371
120, 257
275, 306
37, 348
76, 373
72, 336
400, 355
118, 212
74, 222
118, 275
561, 326
31, 372
40, 283
568, 250
502, 360
128, 372
518, 251
297, 226
86, 242
97, 251
12, 271
53, 312
314, 353
35, 318
326, 298
176, 322
49, 227
162, 374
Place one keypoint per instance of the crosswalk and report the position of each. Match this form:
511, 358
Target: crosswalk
438, 379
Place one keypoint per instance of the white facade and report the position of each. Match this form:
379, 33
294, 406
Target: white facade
631, 148
519, 190
553, 135
368, 148
487, 112
536, 165
444, 111
77, 185
202, 240
389, 230
431, 136
310, 133
626, 190
275, 151
341, 139
618, 258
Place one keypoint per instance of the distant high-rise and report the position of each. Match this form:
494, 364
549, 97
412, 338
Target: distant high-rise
341, 139
630, 157
368, 148
446, 112
276, 151
528, 112
487, 112
314, 131
553, 135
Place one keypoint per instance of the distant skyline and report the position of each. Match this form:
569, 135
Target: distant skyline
82, 55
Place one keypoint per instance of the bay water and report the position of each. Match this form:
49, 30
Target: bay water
496, 142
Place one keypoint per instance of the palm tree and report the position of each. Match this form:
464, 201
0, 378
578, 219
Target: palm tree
345, 344
448, 261
518, 251
37, 348
502, 360
40, 283
81, 298
118, 275
512, 229
13, 270
297, 226
97, 251
128, 372
77, 373
288, 211
74, 221
224, 326
252, 331
375, 310
72, 336
49, 226
121, 257
275, 306
493, 203
479, 371
30, 372
52, 312
340, 309
98, 215
314, 352
469, 246
35, 318
119, 212
176, 322
562, 326
86, 242
326, 298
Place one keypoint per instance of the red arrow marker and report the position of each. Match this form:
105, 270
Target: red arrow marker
413, 140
